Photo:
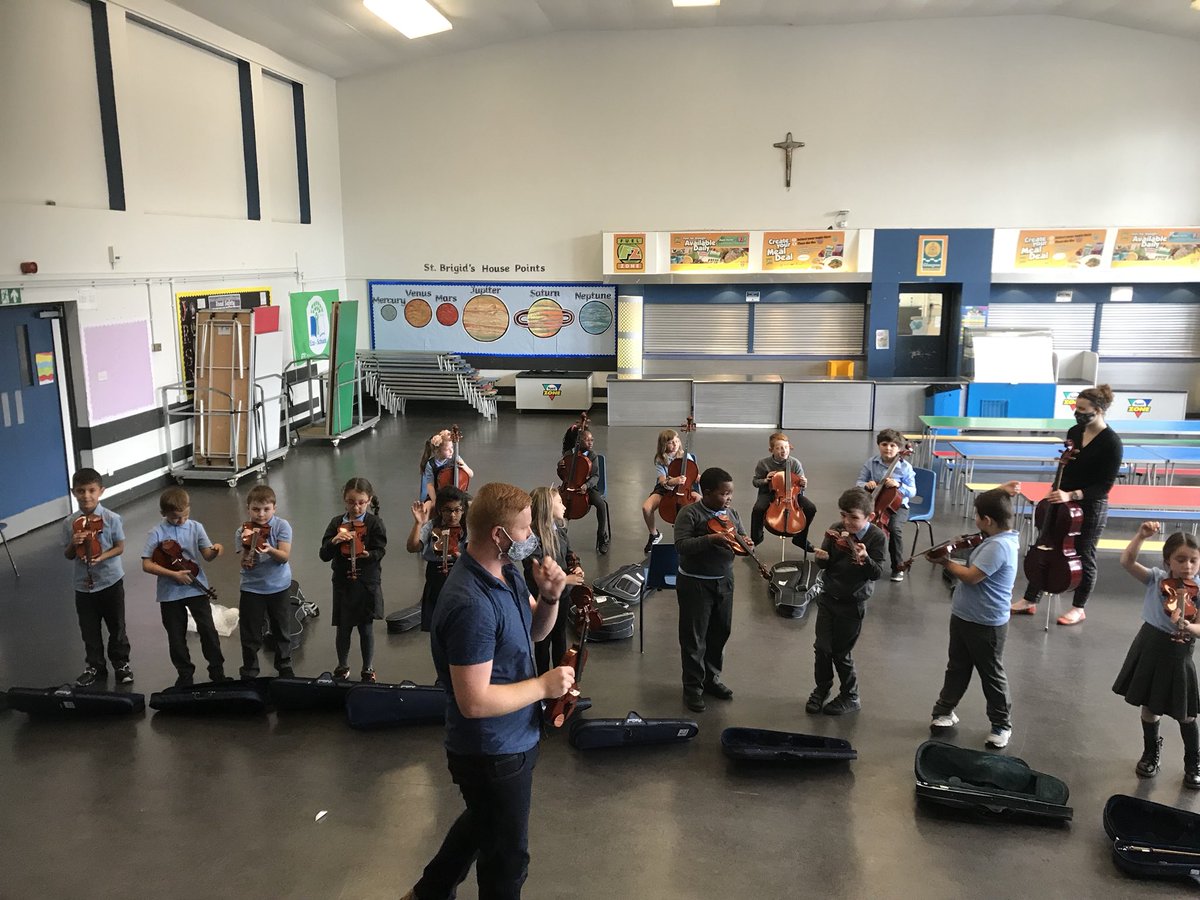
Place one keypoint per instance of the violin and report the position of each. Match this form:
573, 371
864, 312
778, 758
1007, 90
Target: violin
1179, 602
353, 549
558, 711
947, 548
90, 526
446, 545
723, 525
889, 499
574, 470
846, 542
680, 495
169, 555
784, 515
453, 475
261, 535
1051, 564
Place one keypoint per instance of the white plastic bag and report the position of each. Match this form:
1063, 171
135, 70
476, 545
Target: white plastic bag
224, 618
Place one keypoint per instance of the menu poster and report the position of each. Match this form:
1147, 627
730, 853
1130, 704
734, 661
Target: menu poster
1060, 249
804, 250
629, 252
709, 251
1158, 247
931, 254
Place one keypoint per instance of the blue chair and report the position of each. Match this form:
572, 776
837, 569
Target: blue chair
661, 568
602, 475
921, 507
4, 540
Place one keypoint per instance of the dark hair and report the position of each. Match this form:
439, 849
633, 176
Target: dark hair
1100, 396
86, 476
890, 436
173, 499
261, 493
856, 500
996, 505
711, 479
449, 494
1177, 540
572, 435
362, 486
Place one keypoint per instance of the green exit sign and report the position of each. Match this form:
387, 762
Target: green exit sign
10, 296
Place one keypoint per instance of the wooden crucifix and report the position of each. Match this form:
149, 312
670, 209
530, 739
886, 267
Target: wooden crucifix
787, 145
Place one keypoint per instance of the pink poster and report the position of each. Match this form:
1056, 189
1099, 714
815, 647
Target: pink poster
120, 377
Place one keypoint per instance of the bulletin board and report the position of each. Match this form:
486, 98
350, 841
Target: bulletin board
119, 376
189, 303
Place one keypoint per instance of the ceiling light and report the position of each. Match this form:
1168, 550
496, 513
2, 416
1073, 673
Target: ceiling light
412, 18
679, 3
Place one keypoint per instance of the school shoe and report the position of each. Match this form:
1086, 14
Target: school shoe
1147, 766
123, 675
218, 676
652, 540
368, 676
286, 672
718, 690
341, 673
185, 679
602, 546
997, 738
694, 701
90, 676
816, 701
1072, 616
840, 705
897, 575
941, 723
1191, 774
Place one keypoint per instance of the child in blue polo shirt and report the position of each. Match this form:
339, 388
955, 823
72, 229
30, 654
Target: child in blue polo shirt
266, 582
99, 583
178, 592
979, 619
875, 475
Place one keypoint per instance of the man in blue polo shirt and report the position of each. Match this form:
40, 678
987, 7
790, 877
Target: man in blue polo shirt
482, 634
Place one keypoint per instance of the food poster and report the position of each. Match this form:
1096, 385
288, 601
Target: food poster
1060, 249
189, 303
709, 251
629, 253
1157, 247
818, 251
494, 319
931, 255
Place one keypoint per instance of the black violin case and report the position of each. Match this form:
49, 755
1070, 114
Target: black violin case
373, 706
404, 620
761, 745
616, 616
231, 697
322, 692
69, 700
633, 730
988, 782
1151, 840
625, 584
789, 588
300, 610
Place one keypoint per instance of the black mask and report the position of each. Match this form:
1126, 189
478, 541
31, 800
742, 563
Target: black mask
1084, 418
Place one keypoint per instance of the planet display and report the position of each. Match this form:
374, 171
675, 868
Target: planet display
388, 311
447, 314
595, 317
485, 318
545, 317
417, 313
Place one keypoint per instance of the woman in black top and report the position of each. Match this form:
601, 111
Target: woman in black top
1086, 480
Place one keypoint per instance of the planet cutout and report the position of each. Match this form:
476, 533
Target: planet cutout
388, 311
595, 317
485, 318
447, 314
417, 313
545, 318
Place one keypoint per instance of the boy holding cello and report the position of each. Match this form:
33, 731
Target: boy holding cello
889, 471
780, 460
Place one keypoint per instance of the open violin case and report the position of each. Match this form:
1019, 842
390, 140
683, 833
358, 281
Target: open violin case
761, 745
374, 706
633, 730
404, 619
322, 692
988, 782
231, 697
789, 588
617, 618
625, 584
71, 701
1151, 840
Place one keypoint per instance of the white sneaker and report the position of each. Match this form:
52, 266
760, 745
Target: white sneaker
946, 721
997, 738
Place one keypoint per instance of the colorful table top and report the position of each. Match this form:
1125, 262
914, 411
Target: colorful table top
1130, 496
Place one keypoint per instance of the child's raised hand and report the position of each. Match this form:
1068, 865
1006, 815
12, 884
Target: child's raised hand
418, 512
1149, 529
820, 554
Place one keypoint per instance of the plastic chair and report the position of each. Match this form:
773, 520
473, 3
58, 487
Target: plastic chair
602, 475
4, 540
921, 508
661, 569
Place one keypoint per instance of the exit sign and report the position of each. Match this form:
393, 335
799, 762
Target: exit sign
10, 296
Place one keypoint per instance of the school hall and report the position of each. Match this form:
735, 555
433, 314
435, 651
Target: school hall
281, 243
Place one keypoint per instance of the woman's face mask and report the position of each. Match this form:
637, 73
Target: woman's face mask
519, 550
1083, 418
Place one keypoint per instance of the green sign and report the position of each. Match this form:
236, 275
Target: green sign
10, 296
311, 312
342, 366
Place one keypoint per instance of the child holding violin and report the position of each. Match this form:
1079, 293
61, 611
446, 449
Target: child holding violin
95, 540
266, 542
1159, 674
668, 450
549, 524
595, 499
851, 560
780, 460
704, 588
173, 552
439, 453
874, 475
440, 539
979, 619
354, 544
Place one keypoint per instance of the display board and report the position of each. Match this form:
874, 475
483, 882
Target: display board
494, 319
343, 341
119, 372
310, 323
189, 303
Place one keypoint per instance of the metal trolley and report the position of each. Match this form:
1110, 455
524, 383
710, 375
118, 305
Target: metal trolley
322, 429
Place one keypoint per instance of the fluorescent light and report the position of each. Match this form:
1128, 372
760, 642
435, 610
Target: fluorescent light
412, 18
1121, 294
679, 3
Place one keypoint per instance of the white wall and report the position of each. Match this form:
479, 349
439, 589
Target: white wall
525, 152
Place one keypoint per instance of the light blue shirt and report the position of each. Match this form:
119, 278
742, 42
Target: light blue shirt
269, 575
104, 574
875, 468
192, 538
1153, 612
989, 602
660, 469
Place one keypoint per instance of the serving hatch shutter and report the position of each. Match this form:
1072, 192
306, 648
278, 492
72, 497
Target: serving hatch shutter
1150, 329
816, 329
695, 329
1070, 323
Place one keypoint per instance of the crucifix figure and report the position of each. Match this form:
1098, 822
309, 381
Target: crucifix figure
787, 145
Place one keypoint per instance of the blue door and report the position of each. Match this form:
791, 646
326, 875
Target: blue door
34, 470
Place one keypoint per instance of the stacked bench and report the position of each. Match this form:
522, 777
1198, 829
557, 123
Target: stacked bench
396, 376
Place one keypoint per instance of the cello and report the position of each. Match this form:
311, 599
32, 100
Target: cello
683, 466
946, 548
90, 526
353, 549
1051, 564
169, 555
1179, 603
574, 470
889, 499
453, 475
723, 525
784, 515
558, 711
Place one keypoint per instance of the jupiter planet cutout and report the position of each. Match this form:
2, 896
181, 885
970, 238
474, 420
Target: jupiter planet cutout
485, 318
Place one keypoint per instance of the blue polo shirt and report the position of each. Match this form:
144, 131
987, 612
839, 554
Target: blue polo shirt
875, 468
192, 538
479, 618
1153, 612
104, 574
989, 602
268, 575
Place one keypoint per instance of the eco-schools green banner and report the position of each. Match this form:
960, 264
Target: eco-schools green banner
310, 323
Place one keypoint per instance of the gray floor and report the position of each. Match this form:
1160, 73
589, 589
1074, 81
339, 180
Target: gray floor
161, 807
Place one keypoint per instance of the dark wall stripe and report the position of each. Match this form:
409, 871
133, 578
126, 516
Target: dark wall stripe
249, 143
301, 153
108, 106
